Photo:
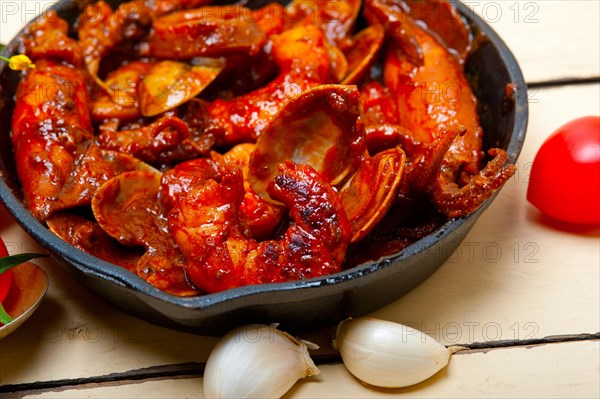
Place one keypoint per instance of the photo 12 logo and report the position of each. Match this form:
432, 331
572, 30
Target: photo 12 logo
478, 331
24, 11
517, 12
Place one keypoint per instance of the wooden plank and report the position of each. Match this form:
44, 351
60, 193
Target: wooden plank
552, 39
556, 370
469, 299
567, 370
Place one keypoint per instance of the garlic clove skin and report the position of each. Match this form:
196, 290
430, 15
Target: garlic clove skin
388, 354
256, 361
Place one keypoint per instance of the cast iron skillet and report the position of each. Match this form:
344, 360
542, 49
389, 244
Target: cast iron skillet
300, 304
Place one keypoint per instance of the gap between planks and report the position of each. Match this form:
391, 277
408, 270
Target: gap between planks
195, 370
563, 82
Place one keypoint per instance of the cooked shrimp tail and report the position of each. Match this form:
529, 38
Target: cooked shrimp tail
218, 252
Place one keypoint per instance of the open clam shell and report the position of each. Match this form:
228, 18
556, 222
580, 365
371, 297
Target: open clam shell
443, 18
170, 83
128, 209
127, 196
88, 236
320, 127
93, 167
363, 53
370, 193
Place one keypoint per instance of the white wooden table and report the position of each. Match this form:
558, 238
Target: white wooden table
527, 292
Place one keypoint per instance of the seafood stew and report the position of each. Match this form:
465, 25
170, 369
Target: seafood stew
146, 165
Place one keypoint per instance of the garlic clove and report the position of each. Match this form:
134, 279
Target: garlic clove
256, 361
387, 354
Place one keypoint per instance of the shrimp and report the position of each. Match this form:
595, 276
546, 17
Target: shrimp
47, 38
177, 182
218, 252
335, 17
378, 104
436, 103
101, 30
50, 121
150, 143
259, 216
210, 31
303, 60
58, 162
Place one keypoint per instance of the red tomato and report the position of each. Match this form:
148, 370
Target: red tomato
565, 177
6, 277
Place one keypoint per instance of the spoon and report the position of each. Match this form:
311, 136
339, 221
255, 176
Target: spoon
30, 283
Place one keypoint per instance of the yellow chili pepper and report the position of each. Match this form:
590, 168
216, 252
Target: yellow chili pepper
18, 62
